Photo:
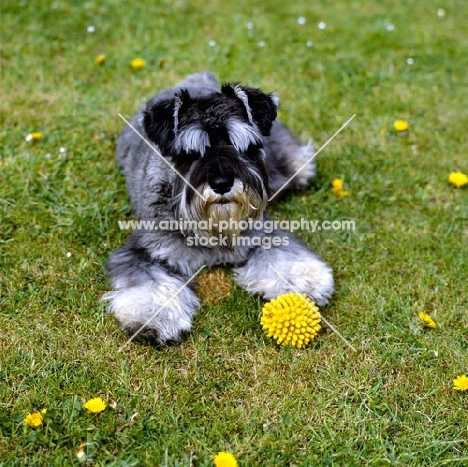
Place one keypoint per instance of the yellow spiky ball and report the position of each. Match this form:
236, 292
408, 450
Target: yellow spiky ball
291, 319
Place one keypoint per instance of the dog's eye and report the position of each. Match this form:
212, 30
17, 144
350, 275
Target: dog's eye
183, 160
255, 152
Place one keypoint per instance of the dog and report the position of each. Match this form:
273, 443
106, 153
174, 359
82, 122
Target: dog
211, 156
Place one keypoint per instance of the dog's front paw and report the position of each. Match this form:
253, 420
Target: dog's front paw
315, 280
152, 312
278, 271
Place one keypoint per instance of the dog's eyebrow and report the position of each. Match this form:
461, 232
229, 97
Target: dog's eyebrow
242, 135
192, 139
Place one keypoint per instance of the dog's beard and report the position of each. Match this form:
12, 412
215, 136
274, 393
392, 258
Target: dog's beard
212, 214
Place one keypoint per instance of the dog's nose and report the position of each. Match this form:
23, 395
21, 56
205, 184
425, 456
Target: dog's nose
221, 183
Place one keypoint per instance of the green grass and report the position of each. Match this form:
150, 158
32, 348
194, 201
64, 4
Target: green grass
229, 387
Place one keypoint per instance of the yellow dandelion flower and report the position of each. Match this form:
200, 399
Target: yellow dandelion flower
460, 383
458, 179
225, 459
138, 63
34, 419
400, 125
95, 405
291, 319
337, 188
427, 320
99, 60
34, 136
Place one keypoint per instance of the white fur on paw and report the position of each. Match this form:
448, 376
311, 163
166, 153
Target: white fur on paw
156, 306
315, 280
311, 276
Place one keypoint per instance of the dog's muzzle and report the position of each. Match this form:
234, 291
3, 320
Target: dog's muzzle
236, 202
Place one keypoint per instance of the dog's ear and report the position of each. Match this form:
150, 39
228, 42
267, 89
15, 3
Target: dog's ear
260, 107
161, 120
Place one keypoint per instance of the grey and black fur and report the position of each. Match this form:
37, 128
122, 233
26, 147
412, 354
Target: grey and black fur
227, 144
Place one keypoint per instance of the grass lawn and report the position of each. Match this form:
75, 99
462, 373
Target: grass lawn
229, 387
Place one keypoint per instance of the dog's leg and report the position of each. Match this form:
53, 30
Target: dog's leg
297, 269
285, 157
147, 292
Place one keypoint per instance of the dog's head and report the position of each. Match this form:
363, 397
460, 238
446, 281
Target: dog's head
216, 143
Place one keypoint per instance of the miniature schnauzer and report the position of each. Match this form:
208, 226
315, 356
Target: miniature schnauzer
211, 156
